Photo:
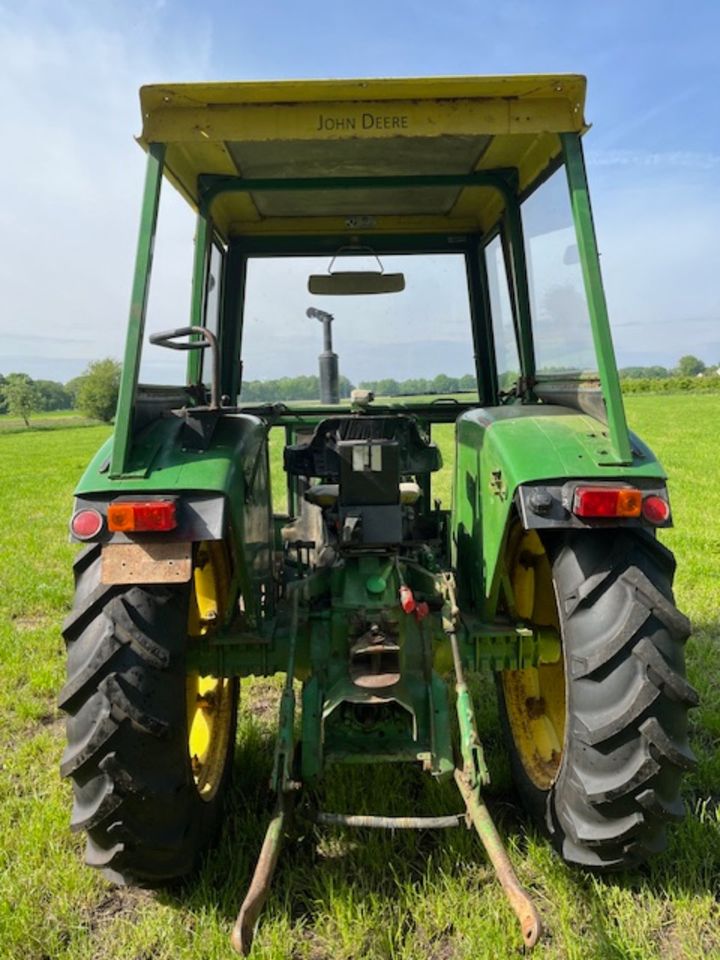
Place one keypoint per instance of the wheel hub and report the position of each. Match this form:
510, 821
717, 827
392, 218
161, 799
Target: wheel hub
535, 696
209, 721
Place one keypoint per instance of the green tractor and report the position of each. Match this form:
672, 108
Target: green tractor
355, 580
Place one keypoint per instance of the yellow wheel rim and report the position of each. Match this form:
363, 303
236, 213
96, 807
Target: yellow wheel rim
209, 723
209, 700
535, 696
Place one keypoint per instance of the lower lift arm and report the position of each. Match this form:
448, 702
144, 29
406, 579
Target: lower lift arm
470, 780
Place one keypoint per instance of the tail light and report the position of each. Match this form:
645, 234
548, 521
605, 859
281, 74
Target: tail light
655, 509
607, 502
142, 516
86, 524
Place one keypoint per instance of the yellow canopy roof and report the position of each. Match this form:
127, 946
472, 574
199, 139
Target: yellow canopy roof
326, 129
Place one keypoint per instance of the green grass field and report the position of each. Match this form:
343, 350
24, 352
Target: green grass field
340, 896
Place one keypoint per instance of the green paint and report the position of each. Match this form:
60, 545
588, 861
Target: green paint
474, 765
138, 308
319, 245
312, 752
412, 725
376, 585
498, 449
235, 466
520, 298
442, 758
212, 186
282, 775
602, 337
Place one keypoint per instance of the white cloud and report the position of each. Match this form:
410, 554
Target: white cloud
73, 176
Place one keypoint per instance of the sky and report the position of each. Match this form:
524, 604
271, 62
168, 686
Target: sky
70, 72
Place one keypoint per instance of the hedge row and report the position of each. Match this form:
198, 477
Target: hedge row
708, 384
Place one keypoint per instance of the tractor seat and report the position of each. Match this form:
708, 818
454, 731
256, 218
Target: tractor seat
319, 457
327, 494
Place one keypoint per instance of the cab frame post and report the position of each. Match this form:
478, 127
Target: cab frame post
138, 309
597, 305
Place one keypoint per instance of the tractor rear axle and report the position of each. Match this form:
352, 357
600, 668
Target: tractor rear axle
469, 780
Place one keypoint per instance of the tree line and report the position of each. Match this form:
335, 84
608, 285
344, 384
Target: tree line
687, 366
417, 386
287, 388
94, 393
308, 387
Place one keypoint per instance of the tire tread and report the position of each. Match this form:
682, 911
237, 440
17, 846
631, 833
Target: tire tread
626, 744
127, 756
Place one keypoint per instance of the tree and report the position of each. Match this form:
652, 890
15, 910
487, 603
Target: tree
346, 386
689, 366
53, 395
444, 384
21, 396
98, 390
72, 387
388, 387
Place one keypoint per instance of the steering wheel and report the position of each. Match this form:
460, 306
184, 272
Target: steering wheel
167, 338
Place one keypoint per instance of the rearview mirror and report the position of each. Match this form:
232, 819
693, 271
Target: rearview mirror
349, 282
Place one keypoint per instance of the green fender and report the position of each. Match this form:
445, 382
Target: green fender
499, 448
234, 466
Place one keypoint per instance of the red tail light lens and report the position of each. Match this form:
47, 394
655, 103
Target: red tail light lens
142, 516
607, 502
655, 509
86, 524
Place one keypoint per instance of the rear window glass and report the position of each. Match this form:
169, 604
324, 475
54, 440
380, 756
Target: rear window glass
413, 342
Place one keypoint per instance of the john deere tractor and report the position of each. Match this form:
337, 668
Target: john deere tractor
435, 220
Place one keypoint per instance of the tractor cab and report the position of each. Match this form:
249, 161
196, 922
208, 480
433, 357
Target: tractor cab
477, 503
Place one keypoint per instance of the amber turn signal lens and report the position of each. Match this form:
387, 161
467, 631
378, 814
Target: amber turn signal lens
629, 503
142, 516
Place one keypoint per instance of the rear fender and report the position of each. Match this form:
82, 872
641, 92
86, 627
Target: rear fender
222, 492
506, 454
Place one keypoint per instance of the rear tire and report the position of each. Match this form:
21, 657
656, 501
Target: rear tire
135, 793
625, 742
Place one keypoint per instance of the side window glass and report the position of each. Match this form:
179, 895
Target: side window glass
506, 351
170, 289
561, 323
212, 303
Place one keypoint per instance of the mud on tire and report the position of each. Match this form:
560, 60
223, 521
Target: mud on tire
127, 730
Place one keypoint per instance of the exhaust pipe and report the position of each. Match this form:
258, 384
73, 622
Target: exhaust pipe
329, 371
